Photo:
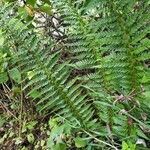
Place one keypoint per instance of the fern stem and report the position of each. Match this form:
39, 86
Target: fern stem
132, 77
100, 141
60, 89
21, 111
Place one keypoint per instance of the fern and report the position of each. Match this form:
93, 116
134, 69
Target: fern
113, 37
107, 47
49, 77
112, 47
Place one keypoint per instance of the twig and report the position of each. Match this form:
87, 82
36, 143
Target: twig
110, 134
9, 111
21, 111
100, 141
140, 122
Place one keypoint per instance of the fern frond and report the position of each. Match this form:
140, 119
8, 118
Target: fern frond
49, 77
112, 48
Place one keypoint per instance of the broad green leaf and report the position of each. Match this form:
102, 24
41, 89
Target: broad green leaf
30, 138
80, 142
15, 75
34, 94
3, 77
59, 146
47, 1
124, 146
31, 2
46, 8
30, 125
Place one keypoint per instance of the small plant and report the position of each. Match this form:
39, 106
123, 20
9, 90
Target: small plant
128, 146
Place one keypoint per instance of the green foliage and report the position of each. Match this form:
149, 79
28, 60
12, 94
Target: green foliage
129, 146
58, 132
3, 77
2, 120
59, 146
31, 2
15, 75
30, 138
111, 46
3, 66
80, 142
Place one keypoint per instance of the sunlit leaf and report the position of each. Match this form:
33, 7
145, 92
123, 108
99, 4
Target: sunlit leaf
80, 142
3, 77
30, 138
31, 2
15, 75
59, 146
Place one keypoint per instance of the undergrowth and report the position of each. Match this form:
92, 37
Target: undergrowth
75, 75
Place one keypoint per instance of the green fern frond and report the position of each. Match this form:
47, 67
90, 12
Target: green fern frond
49, 78
112, 46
